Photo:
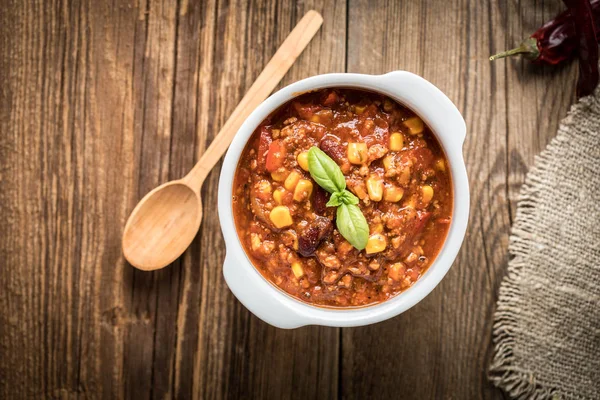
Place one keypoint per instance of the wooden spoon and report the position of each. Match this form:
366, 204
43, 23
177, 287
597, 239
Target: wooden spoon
166, 220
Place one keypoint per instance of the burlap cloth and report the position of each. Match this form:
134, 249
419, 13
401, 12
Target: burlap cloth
547, 324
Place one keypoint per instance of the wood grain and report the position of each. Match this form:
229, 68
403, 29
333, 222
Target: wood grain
238, 354
101, 101
441, 348
166, 220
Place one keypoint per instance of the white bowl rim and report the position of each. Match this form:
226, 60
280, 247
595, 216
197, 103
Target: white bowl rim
272, 304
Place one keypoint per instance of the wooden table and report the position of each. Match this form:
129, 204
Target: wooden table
101, 101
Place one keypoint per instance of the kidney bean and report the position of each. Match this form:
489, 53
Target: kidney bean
320, 198
333, 148
311, 237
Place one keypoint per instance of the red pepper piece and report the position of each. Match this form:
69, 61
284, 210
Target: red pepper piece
275, 156
423, 158
581, 10
306, 111
264, 141
330, 99
556, 41
414, 228
421, 221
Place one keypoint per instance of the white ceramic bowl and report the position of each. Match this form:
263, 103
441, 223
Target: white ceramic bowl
273, 305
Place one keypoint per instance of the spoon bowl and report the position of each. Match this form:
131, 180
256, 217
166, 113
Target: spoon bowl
162, 226
166, 220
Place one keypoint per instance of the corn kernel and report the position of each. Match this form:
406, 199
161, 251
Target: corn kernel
264, 186
303, 160
292, 180
278, 195
388, 162
359, 109
377, 228
440, 165
297, 270
396, 141
415, 125
376, 243
280, 217
357, 153
393, 194
303, 190
427, 194
375, 188
279, 175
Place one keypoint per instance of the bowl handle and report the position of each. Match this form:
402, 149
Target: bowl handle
424, 93
262, 299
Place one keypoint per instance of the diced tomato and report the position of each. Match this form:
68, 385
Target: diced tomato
275, 156
423, 158
417, 220
264, 141
420, 222
413, 273
329, 99
370, 111
306, 111
375, 131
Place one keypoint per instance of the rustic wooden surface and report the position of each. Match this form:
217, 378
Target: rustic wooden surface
103, 100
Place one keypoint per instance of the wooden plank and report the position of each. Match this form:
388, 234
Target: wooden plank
107, 103
27, 92
441, 348
72, 145
148, 355
237, 355
193, 87
538, 97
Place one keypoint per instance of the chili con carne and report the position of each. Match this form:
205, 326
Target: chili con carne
391, 162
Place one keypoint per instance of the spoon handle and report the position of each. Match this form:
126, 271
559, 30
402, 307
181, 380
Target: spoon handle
268, 79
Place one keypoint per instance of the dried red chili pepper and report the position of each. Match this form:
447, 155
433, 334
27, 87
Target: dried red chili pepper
555, 42
581, 10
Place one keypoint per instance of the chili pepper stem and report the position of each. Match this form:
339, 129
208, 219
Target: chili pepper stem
528, 47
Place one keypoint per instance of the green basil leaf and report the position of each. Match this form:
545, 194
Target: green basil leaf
352, 225
348, 197
325, 171
335, 199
